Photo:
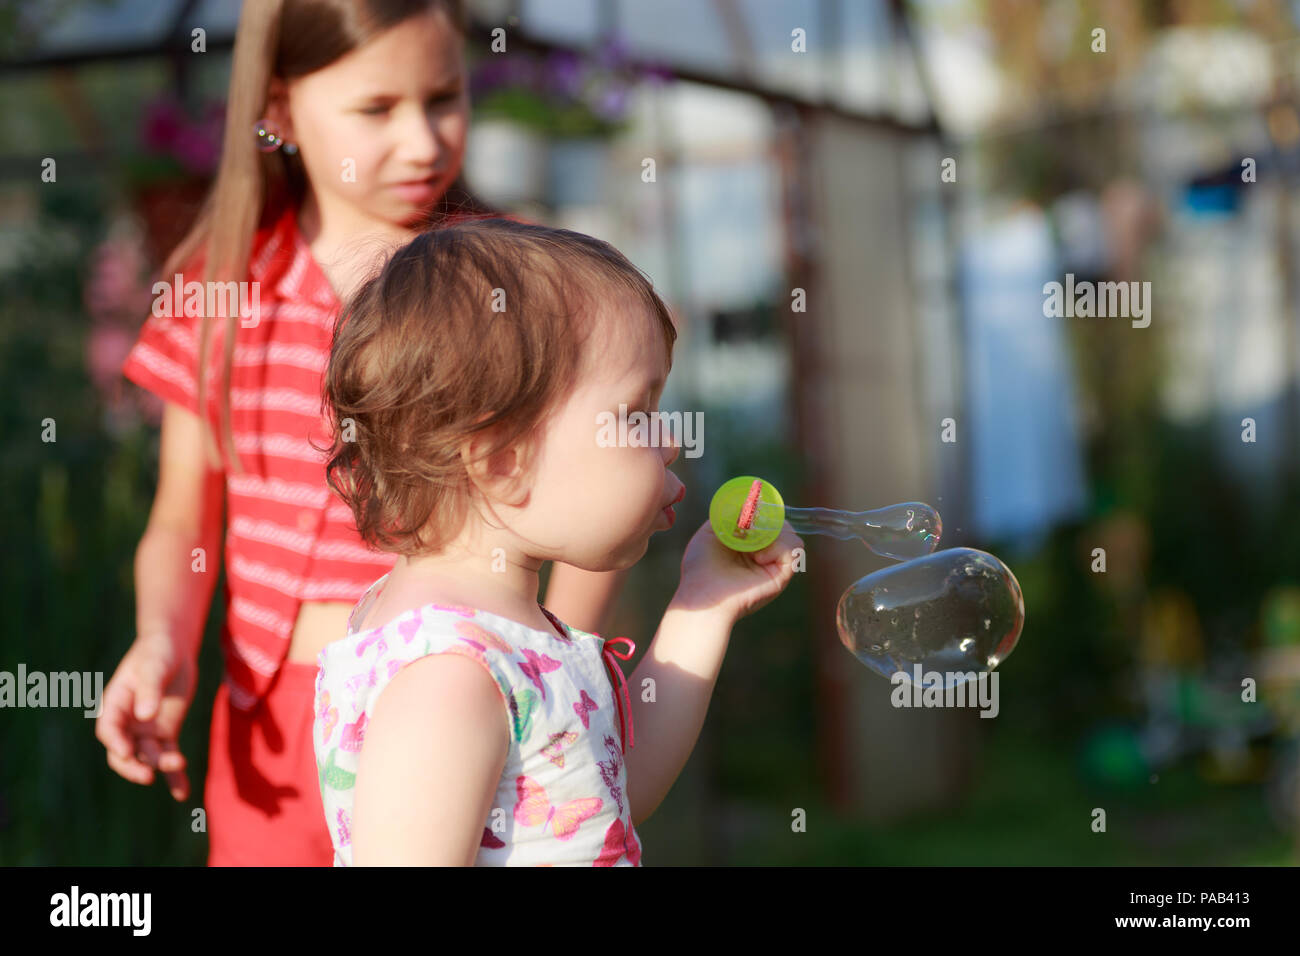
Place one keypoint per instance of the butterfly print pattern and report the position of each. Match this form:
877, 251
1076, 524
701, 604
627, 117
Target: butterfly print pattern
536, 666
562, 796
534, 809
554, 751
620, 842
585, 706
611, 771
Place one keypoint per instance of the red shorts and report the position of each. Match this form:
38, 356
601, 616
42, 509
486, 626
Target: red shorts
262, 794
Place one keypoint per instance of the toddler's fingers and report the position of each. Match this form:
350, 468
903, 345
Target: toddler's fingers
780, 549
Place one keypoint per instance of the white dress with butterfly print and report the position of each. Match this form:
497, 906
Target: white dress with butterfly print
561, 799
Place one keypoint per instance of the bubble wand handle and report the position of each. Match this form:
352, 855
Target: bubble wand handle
747, 514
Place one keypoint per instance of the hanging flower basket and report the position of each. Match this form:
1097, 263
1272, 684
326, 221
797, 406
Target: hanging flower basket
561, 94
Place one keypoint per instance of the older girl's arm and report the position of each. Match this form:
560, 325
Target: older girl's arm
583, 599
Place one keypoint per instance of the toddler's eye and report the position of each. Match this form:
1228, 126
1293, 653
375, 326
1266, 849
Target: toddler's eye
374, 110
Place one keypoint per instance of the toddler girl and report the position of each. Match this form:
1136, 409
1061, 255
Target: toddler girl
459, 721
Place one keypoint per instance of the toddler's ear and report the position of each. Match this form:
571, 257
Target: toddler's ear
502, 476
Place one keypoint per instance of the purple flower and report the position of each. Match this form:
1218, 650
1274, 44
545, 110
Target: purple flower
565, 73
657, 74
611, 103
489, 74
614, 54
497, 72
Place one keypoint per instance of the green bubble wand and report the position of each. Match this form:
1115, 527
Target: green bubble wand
938, 617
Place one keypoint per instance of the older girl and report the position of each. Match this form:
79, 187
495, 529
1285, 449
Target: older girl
346, 126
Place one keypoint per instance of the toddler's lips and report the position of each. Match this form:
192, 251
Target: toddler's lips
668, 509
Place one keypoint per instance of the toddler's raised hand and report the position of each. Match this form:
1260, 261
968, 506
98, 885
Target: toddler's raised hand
716, 578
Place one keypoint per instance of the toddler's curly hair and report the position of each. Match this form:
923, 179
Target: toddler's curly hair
469, 326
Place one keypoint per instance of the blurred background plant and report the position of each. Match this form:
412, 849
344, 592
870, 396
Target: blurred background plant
560, 93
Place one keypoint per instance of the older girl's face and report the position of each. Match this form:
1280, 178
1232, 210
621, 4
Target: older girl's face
381, 131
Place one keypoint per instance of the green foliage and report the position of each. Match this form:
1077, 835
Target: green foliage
73, 511
542, 114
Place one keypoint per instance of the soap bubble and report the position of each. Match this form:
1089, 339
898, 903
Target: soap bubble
957, 612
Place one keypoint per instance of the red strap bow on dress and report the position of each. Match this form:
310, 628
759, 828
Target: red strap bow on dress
623, 702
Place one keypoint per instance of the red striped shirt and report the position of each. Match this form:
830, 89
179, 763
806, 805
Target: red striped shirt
289, 539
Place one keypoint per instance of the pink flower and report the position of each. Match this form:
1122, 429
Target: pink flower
116, 288
106, 349
168, 131
163, 121
117, 298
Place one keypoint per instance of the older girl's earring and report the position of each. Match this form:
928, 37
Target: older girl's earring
268, 136
290, 148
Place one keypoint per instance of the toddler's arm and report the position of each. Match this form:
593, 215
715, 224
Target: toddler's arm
436, 746
718, 587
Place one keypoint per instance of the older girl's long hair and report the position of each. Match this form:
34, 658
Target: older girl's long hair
287, 39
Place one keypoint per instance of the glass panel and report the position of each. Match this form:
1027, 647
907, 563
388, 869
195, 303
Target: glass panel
706, 120
862, 79
218, 17
770, 24
730, 233
575, 22
97, 26
686, 33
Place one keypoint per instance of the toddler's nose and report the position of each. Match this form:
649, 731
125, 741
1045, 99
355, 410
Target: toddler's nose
680, 493
671, 447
